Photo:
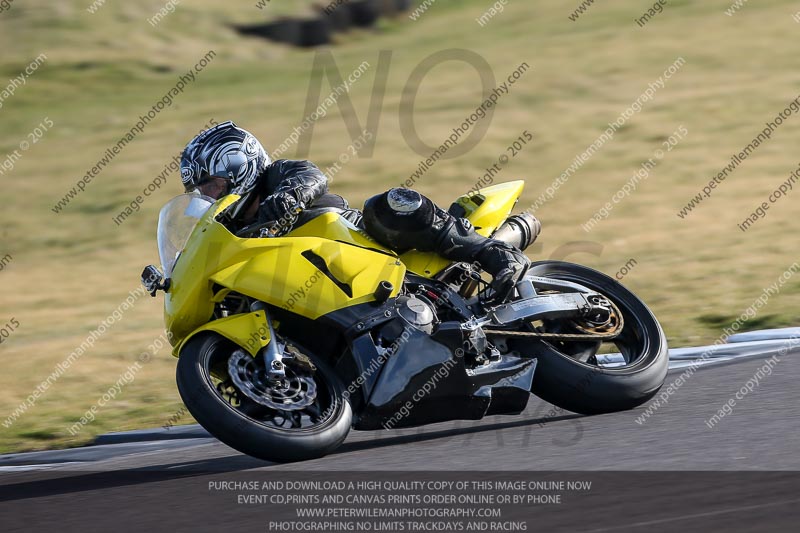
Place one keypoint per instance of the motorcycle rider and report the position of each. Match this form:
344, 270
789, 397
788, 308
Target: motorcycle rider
228, 159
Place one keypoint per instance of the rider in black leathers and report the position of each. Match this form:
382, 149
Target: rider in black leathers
228, 159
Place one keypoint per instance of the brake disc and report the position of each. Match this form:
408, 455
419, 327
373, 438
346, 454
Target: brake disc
292, 393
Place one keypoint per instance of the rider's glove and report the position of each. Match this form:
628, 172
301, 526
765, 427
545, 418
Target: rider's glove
281, 208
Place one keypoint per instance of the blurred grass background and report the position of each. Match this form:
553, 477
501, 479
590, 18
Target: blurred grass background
71, 270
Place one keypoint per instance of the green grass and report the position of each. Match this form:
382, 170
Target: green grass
72, 269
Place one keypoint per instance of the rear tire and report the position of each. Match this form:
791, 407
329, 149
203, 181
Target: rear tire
591, 389
243, 432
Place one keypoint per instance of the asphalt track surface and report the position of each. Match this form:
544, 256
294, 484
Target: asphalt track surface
670, 472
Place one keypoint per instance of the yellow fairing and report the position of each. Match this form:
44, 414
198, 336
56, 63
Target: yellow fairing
335, 228
282, 271
248, 330
486, 209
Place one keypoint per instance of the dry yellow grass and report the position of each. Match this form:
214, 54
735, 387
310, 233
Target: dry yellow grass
70, 270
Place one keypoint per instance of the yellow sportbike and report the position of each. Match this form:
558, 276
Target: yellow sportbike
285, 343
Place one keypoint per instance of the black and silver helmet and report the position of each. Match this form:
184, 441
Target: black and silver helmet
226, 151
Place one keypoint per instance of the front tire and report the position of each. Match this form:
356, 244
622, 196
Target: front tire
565, 375
202, 367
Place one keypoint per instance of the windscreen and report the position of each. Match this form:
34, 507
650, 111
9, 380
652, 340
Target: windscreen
176, 221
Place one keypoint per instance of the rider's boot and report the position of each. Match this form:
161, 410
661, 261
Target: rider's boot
459, 241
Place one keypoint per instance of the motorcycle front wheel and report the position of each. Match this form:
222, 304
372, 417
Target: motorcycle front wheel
577, 375
224, 389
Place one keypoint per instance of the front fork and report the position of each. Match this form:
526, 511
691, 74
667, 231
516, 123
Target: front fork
273, 353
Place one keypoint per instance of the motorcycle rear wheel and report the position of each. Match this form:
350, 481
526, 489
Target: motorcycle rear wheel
568, 374
252, 428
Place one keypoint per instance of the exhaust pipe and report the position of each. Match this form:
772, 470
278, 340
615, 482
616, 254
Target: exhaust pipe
519, 230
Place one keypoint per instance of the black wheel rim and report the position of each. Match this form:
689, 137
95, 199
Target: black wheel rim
310, 418
629, 349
